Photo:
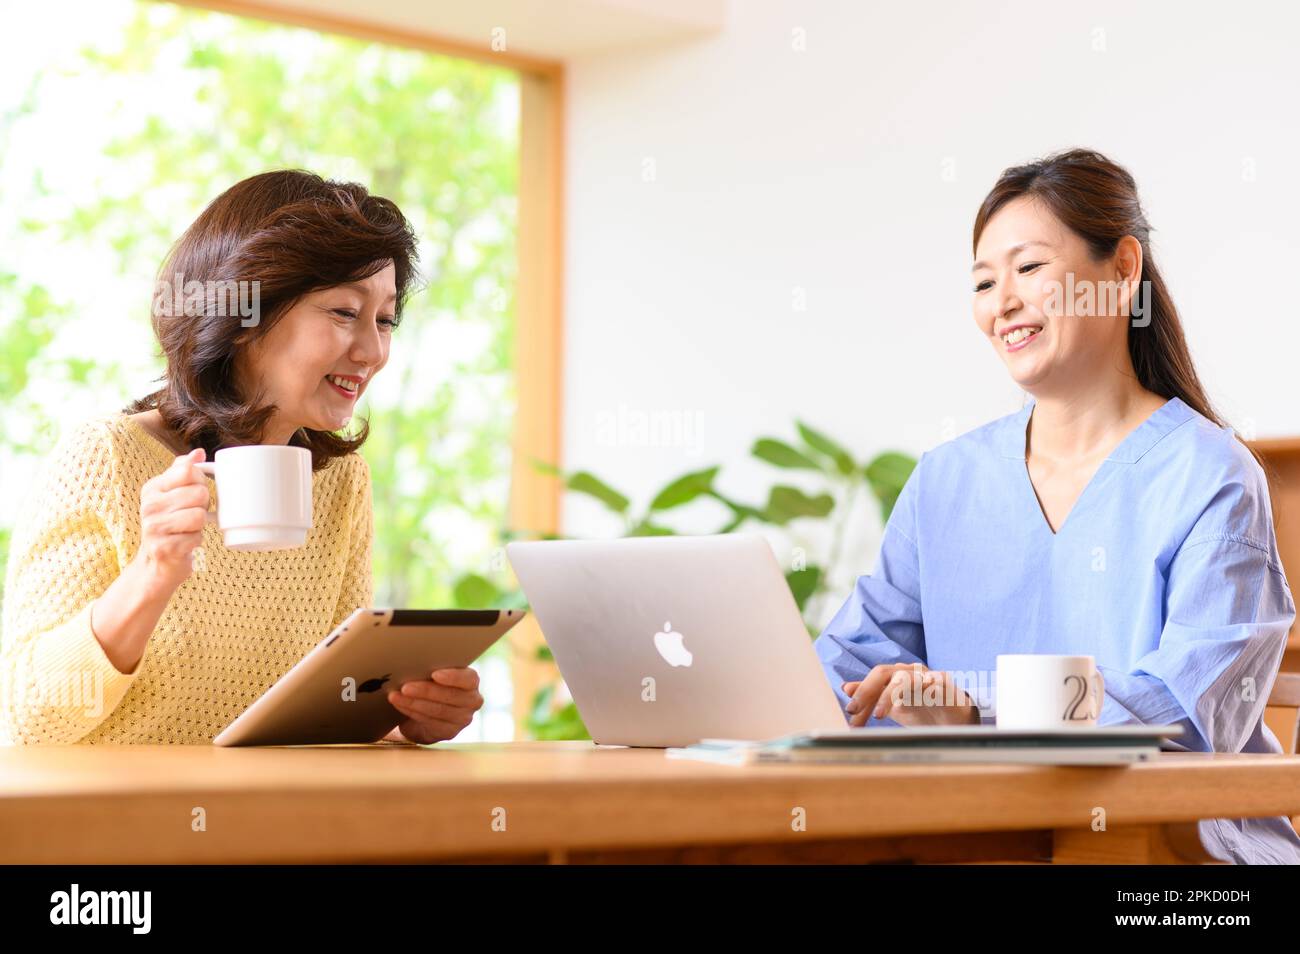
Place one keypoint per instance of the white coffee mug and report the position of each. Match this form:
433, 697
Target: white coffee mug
263, 496
1042, 691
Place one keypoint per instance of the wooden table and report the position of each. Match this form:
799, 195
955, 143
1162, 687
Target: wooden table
572, 802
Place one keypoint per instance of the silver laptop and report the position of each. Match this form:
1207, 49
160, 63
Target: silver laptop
664, 641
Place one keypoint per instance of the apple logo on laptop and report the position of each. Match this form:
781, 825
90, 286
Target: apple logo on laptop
670, 647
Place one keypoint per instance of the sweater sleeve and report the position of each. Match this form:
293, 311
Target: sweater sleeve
56, 683
358, 579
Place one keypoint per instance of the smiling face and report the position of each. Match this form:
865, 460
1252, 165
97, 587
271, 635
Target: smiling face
322, 354
1027, 262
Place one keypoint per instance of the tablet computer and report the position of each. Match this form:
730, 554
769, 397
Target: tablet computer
338, 692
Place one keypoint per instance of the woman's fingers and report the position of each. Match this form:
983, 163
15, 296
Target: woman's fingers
436, 721
439, 711
422, 707
426, 733
188, 520
462, 677
868, 696
910, 689
182, 471
184, 497
419, 728
178, 498
903, 690
892, 693
447, 695
864, 698
910, 694
173, 513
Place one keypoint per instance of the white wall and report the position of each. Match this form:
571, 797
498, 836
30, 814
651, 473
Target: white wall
775, 170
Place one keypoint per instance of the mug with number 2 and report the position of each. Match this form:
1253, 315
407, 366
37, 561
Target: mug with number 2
1041, 691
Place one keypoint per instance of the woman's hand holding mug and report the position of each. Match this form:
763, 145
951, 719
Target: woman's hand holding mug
173, 511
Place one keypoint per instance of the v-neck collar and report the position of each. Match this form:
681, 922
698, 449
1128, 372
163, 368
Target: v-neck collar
1141, 439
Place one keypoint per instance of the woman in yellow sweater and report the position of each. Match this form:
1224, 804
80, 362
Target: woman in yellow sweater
125, 617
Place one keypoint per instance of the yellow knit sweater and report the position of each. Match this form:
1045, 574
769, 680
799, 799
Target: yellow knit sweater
231, 630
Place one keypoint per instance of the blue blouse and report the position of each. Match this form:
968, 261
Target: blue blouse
1166, 571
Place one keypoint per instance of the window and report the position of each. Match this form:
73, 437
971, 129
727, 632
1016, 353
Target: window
119, 120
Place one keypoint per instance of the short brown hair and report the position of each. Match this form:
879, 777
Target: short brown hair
293, 233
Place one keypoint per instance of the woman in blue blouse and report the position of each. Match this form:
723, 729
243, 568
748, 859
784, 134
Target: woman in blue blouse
1115, 515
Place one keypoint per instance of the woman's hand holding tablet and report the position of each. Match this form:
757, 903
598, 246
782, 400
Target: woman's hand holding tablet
437, 708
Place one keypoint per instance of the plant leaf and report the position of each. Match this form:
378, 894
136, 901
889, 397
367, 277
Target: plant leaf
789, 503
742, 511
803, 584
514, 599
823, 444
782, 454
586, 483
562, 725
541, 709
647, 529
886, 476
684, 489
473, 591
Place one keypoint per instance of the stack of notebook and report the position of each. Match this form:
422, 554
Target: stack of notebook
1085, 745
